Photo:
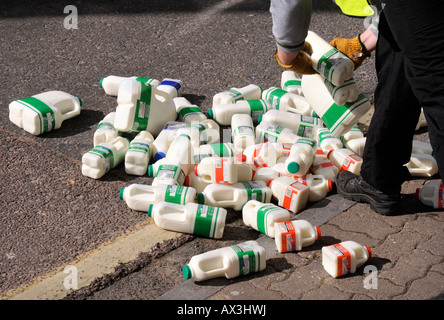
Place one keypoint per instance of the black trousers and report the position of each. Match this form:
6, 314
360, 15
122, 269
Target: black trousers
410, 69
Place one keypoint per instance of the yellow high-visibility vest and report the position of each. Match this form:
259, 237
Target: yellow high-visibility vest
355, 8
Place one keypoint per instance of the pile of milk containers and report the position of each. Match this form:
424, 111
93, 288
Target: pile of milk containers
287, 144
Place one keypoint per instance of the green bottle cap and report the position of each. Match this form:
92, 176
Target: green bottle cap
121, 193
186, 270
150, 210
293, 167
210, 113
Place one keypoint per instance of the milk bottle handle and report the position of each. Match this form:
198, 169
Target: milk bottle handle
161, 93
74, 112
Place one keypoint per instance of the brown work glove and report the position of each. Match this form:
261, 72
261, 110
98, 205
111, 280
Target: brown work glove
352, 48
302, 63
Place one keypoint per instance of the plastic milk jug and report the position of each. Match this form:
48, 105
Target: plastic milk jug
303, 126
287, 101
139, 196
301, 156
332, 64
319, 186
262, 216
105, 131
293, 235
421, 147
229, 262
354, 133
327, 142
190, 218
223, 170
269, 132
345, 159
291, 194
356, 145
173, 87
323, 166
166, 173
261, 155
181, 152
143, 107
196, 182
187, 112
291, 82
242, 131
139, 154
206, 131
339, 119
343, 258
431, 194
222, 113
422, 165
111, 84
104, 157
163, 140
347, 92
213, 150
44, 112
266, 174
232, 95
234, 195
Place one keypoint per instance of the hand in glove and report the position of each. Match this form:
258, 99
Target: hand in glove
302, 63
352, 48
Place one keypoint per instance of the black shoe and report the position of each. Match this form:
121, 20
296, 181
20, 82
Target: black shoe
353, 187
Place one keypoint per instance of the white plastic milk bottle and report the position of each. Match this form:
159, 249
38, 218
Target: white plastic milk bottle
242, 131
345, 159
139, 153
187, 112
291, 194
229, 262
196, 182
190, 218
332, 64
234, 195
269, 132
262, 216
261, 155
431, 194
173, 87
347, 92
303, 126
213, 150
232, 95
354, 133
344, 258
44, 112
138, 197
339, 119
422, 147
206, 131
266, 174
105, 131
356, 145
104, 157
293, 235
301, 156
143, 107
291, 82
319, 186
111, 84
287, 101
163, 140
422, 165
223, 170
166, 173
222, 113
181, 152
323, 166
327, 142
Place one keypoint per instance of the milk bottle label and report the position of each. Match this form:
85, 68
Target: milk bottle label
440, 196
249, 259
257, 107
176, 194
235, 95
274, 97
286, 149
222, 170
139, 147
106, 126
291, 196
310, 142
106, 154
168, 171
350, 161
292, 83
44, 112
171, 82
142, 108
321, 165
243, 131
327, 61
271, 132
219, 150
306, 127
262, 217
288, 236
187, 112
343, 258
257, 159
255, 191
206, 220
